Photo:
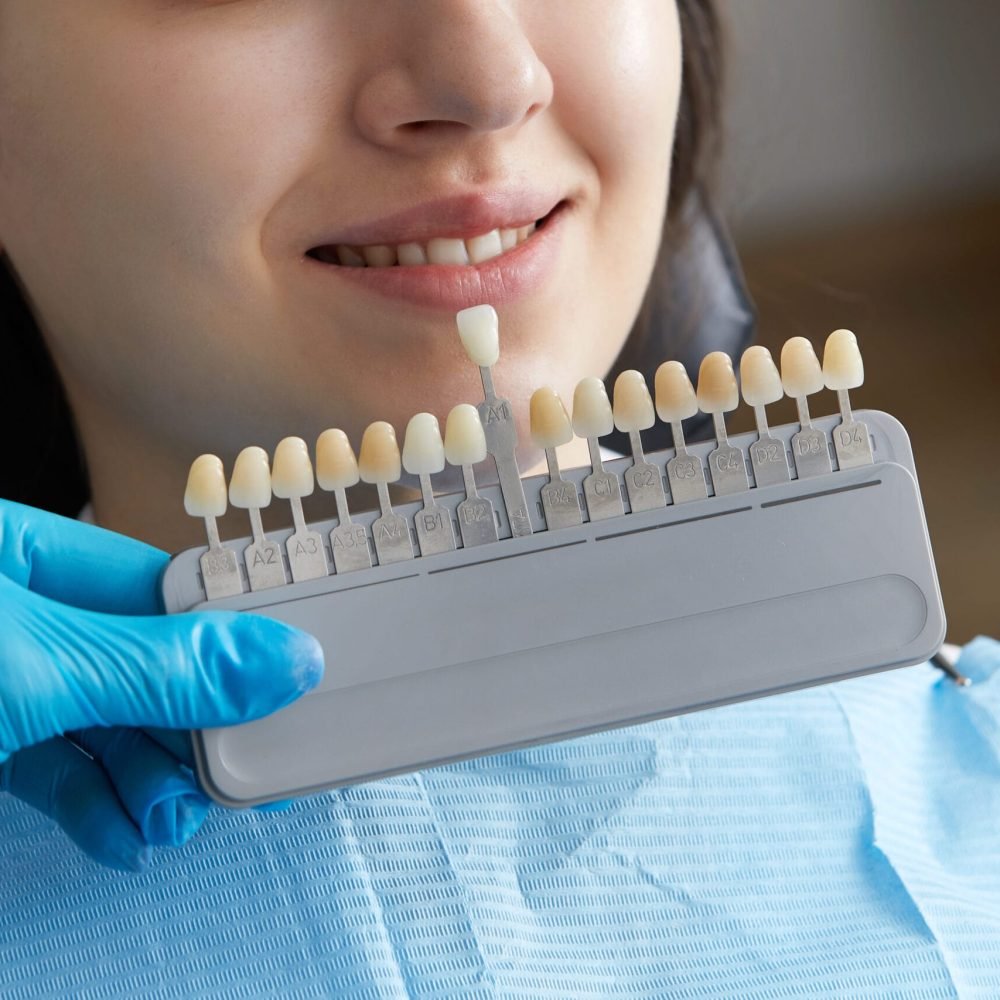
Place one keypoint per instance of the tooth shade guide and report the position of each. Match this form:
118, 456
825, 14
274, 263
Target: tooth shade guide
380, 463
550, 428
465, 446
291, 479
250, 489
634, 412
676, 401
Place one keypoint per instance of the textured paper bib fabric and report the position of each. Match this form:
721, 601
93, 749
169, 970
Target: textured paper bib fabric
836, 842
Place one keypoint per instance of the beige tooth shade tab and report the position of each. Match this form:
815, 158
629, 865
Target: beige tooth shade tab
759, 377
336, 466
801, 374
842, 364
250, 483
423, 449
592, 416
675, 395
292, 471
479, 329
717, 388
550, 424
464, 437
379, 461
205, 495
633, 405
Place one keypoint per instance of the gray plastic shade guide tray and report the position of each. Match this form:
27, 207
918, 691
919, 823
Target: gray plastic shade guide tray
568, 632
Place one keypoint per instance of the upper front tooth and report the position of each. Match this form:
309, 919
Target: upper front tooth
349, 257
445, 251
508, 238
484, 247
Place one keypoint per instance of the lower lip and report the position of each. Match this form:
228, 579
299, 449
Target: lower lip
513, 275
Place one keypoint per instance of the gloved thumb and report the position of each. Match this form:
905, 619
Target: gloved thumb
63, 668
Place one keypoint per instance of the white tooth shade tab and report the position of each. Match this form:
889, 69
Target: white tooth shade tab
842, 364
464, 437
292, 471
675, 396
205, 495
801, 374
250, 483
633, 405
592, 416
445, 251
484, 247
379, 461
759, 377
336, 466
423, 449
717, 388
479, 328
550, 424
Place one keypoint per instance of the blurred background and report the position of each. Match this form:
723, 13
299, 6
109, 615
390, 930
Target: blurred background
861, 182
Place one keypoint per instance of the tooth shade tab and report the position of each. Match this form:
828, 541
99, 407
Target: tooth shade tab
464, 437
379, 461
550, 423
423, 449
250, 483
336, 465
801, 374
675, 395
592, 415
205, 495
479, 328
759, 377
842, 364
717, 388
633, 405
292, 471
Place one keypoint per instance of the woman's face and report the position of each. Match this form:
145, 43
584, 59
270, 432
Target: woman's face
166, 165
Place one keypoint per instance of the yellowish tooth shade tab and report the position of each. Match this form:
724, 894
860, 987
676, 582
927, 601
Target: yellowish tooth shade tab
550, 424
250, 484
423, 449
675, 396
633, 405
479, 329
464, 437
759, 377
592, 416
379, 461
801, 374
336, 466
717, 388
292, 472
842, 364
205, 495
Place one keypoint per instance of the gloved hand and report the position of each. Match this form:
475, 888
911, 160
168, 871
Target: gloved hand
86, 655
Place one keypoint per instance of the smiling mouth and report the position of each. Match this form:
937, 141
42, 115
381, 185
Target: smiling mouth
467, 251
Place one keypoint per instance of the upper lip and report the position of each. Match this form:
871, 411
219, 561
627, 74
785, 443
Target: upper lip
455, 217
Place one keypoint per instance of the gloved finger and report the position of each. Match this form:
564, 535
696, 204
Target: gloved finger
175, 741
159, 793
178, 742
62, 668
61, 781
79, 564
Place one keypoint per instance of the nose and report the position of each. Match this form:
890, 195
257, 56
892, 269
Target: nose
455, 68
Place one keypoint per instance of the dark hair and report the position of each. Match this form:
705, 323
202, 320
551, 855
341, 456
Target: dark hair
45, 466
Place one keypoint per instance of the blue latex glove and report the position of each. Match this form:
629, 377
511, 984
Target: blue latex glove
86, 655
